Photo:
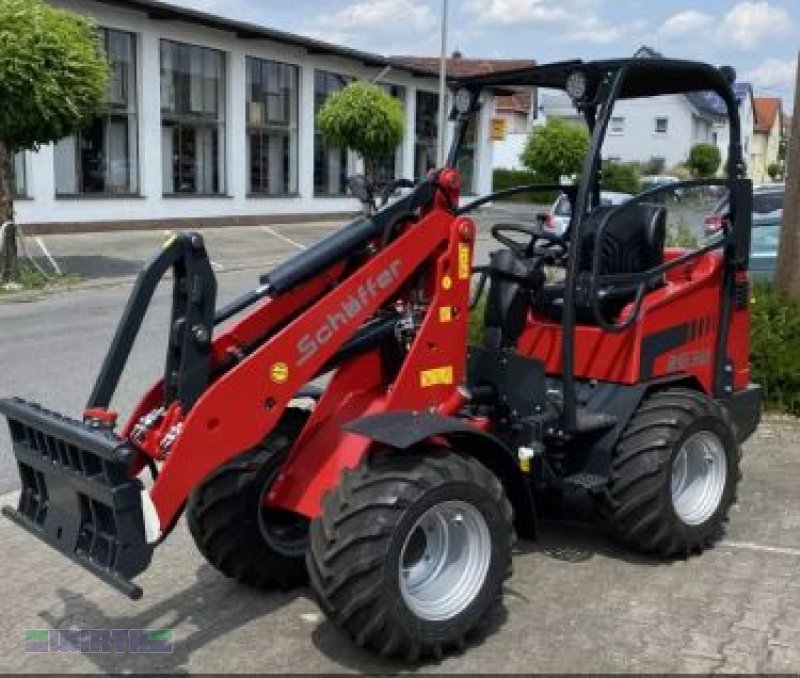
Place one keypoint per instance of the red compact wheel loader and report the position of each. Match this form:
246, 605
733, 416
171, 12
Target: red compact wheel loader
626, 378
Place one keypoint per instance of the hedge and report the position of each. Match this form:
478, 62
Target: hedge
507, 178
775, 348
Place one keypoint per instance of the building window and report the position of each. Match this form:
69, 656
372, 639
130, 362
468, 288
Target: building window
662, 125
617, 125
271, 127
468, 157
192, 119
391, 166
18, 178
331, 165
426, 125
103, 157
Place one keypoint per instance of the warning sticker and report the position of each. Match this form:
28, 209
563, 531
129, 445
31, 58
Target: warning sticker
438, 376
279, 373
463, 261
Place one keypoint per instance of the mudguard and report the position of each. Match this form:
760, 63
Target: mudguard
402, 430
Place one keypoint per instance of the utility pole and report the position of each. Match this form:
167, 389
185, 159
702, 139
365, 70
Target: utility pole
787, 279
440, 150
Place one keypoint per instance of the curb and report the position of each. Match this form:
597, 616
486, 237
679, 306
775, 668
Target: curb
32, 296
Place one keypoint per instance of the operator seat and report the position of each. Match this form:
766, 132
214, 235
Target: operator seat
633, 242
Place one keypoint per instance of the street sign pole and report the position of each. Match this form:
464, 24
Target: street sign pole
440, 151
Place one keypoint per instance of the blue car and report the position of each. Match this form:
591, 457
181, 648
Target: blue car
766, 235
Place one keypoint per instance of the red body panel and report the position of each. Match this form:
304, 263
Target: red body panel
691, 296
243, 405
432, 370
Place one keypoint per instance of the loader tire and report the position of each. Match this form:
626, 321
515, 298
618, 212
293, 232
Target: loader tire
674, 475
411, 551
240, 537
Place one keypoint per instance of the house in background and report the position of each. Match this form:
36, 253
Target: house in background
663, 127
515, 110
767, 137
212, 121
747, 114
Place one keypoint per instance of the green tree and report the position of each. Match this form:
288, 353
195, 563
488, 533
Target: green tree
556, 149
704, 160
366, 119
53, 79
620, 176
775, 171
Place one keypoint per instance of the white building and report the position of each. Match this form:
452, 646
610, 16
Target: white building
744, 97
212, 122
517, 110
664, 127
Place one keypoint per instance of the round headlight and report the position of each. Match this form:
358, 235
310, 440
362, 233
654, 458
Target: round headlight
463, 101
576, 85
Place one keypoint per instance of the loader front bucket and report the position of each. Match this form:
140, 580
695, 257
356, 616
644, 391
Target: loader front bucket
76, 493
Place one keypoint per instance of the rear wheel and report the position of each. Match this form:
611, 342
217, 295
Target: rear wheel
236, 532
674, 475
411, 551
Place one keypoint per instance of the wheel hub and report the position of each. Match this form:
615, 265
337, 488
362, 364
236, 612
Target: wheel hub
444, 560
699, 473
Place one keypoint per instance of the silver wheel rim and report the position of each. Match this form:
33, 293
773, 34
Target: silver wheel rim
699, 472
444, 560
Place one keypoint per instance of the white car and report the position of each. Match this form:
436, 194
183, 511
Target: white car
556, 221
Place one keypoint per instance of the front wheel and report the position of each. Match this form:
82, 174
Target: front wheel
674, 475
411, 550
236, 532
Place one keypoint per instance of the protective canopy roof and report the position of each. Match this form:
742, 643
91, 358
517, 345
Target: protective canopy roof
645, 77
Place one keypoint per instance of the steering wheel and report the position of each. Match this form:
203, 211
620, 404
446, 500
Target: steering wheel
531, 248
392, 186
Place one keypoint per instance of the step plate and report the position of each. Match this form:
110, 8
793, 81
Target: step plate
76, 495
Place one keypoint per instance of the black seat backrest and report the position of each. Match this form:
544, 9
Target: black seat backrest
632, 241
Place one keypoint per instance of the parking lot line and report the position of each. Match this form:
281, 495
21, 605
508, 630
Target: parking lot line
749, 546
280, 236
53, 262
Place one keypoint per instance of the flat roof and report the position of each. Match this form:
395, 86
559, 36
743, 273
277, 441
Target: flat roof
162, 11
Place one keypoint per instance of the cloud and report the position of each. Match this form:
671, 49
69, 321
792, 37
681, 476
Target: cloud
685, 23
379, 14
773, 74
593, 30
517, 11
750, 23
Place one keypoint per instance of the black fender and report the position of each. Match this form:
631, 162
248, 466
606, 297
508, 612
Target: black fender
403, 430
622, 401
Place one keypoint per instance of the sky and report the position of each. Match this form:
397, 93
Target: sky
759, 38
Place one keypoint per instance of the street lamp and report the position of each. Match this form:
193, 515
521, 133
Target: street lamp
442, 88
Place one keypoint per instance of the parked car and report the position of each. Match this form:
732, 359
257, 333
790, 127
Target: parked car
556, 221
653, 181
764, 241
767, 201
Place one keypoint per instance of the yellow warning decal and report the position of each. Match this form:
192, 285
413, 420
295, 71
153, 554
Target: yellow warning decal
447, 282
169, 241
438, 376
445, 314
279, 373
463, 261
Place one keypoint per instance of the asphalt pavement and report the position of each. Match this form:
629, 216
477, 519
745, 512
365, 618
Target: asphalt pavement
576, 601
